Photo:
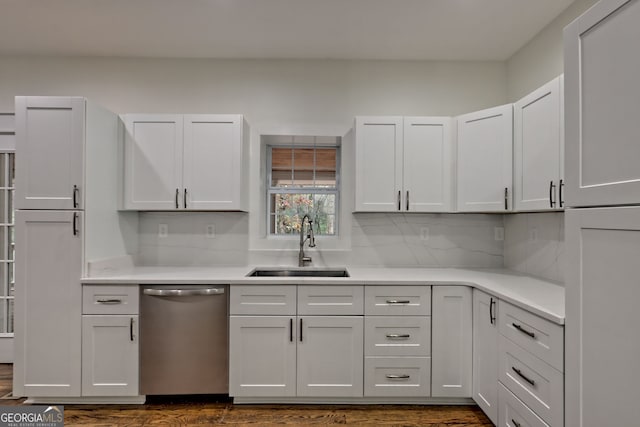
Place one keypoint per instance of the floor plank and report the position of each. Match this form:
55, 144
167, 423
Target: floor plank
201, 413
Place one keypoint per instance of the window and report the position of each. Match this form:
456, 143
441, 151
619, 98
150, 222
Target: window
303, 179
7, 248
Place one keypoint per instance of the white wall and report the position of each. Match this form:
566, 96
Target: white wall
266, 91
541, 59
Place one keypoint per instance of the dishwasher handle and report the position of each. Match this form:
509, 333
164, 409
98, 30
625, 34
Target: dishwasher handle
183, 292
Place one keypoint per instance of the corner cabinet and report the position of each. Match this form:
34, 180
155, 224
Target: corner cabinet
452, 345
539, 149
484, 160
403, 164
485, 353
185, 162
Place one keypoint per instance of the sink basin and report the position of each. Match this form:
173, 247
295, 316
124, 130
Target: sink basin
292, 272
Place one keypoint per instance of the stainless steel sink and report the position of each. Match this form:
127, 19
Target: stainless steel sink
291, 272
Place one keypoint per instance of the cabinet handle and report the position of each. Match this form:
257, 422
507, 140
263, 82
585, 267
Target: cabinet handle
76, 191
301, 329
109, 301
407, 200
552, 203
523, 330
75, 223
396, 301
398, 377
398, 336
506, 198
515, 423
492, 318
131, 329
521, 375
561, 186
399, 199
185, 198
177, 195
291, 330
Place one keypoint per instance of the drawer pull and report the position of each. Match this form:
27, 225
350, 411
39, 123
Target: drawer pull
515, 423
398, 377
396, 301
521, 375
398, 336
524, 331
109, 301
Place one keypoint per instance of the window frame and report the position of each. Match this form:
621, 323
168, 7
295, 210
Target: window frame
303, 190
8, 242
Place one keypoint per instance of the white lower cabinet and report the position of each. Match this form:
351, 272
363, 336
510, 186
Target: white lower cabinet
397, 376
514, 413
110, 343
262, 352
110, 355
330, 356
288, 355
485, 353
451, 364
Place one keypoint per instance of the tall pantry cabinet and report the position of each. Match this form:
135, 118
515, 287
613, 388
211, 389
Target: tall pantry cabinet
59, 139
602, 101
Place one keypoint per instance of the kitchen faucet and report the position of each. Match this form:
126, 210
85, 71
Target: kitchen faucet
310, 237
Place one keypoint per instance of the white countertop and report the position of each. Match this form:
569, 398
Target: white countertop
543, 298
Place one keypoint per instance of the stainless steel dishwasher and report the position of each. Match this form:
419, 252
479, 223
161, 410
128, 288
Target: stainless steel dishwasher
184, 340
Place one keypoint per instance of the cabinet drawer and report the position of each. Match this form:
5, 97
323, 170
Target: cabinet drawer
398, 300
397, 336
262, 299
535, 383
99, 299
513, 413
397, 376
538, 336
330, 300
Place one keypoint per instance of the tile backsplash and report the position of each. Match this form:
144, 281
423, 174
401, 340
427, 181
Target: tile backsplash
534, 244
389, 240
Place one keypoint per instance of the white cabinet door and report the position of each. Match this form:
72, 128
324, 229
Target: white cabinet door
330, 356
485, 353
378, 164
451, 342
110, 355
539, 148
602, 104
48, 331
601, 332
153, 161
427, 165
213, 150
485, 146
49, 152
262, 356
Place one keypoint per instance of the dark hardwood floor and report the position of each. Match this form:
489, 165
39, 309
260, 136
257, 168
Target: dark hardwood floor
201, 413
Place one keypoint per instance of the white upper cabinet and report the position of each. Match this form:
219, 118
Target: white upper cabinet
191, 162
602, 103
428, 168
403, 164
153, 161
539, 149
50, 133
485, 145
213, 169
378, 164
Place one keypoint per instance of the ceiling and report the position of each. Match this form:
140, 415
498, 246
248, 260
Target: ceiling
337, 29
